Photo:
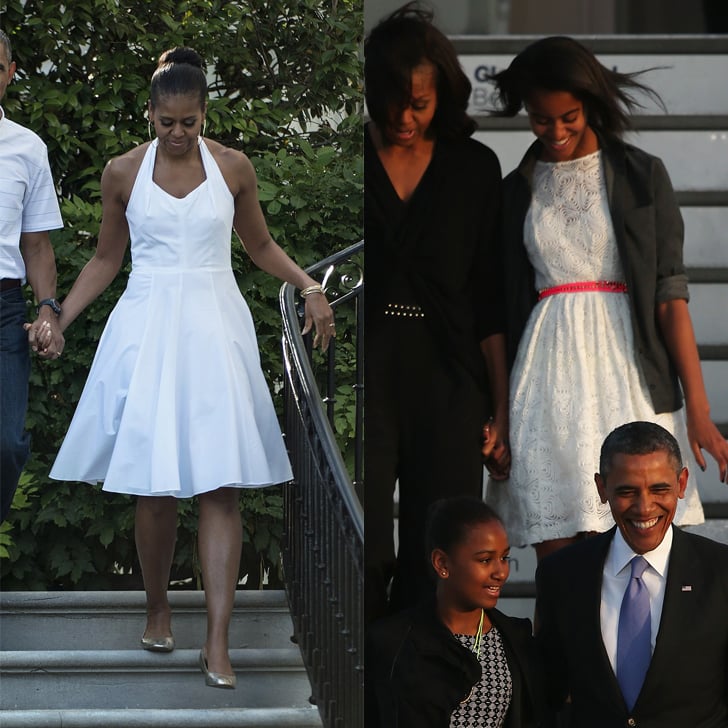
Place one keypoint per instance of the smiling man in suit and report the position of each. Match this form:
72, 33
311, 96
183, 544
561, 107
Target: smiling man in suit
633, 623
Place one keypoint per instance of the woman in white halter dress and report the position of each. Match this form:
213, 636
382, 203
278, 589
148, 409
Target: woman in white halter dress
176, 404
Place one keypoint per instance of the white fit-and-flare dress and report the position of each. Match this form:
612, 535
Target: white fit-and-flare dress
176, 402
576, 376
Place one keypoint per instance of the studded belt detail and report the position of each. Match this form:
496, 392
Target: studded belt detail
404, 310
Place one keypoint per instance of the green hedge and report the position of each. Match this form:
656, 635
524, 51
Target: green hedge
285, 88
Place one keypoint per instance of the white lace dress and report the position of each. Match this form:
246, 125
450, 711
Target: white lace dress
575, 377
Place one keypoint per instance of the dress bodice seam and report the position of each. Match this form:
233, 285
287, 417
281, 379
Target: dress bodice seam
180, 199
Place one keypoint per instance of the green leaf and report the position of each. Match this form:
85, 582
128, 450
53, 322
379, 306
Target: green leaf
107, 535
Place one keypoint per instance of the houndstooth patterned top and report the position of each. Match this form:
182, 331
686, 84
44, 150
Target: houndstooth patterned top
487, 705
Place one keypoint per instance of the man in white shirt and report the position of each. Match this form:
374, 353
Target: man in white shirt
28, 210
633, 623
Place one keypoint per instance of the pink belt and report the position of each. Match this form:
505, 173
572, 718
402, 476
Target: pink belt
580, 286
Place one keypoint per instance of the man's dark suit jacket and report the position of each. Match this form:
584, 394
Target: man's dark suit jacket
687, 682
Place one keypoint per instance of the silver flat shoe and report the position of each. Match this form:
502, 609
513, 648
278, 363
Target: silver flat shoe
158, 644
215, 679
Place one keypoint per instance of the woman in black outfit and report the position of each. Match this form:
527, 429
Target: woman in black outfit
435, 367
455, 661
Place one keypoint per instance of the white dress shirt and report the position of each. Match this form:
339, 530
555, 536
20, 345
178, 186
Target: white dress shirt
615, 578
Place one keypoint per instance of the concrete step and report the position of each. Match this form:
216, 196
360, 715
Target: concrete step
220, 718
116, 620
120, 679
73, 659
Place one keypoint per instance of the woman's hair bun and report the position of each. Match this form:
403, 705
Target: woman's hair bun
181, 54
180, 71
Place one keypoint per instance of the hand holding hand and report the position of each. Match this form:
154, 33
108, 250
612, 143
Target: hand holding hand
45, 337
495, 450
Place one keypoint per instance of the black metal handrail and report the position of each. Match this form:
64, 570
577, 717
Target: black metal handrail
323, 541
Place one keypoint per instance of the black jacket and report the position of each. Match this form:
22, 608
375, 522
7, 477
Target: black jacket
687, 682
438, 250
418, 672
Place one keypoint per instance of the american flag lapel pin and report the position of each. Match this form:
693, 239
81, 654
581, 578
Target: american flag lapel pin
686, 588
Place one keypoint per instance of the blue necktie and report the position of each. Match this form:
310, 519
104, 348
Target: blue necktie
633, 638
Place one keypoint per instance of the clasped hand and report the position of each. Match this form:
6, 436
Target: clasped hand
496, 451
45, 338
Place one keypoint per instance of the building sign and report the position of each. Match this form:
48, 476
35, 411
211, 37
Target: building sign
688, 84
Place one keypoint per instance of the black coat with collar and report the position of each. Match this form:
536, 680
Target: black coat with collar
687, 682
418, 672
649, 231
438, 250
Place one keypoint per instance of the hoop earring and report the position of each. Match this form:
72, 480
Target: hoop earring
204, 127
149, 129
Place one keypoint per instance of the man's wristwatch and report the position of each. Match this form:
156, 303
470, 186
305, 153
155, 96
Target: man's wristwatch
55, 306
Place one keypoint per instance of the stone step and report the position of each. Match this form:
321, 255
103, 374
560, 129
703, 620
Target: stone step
122, 679
156, 718
116, 620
